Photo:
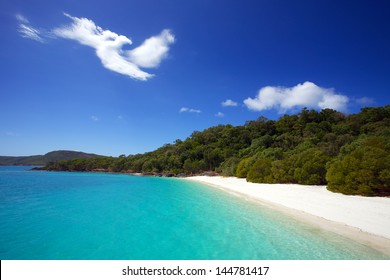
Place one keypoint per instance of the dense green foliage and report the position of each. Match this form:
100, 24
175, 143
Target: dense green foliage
363, 167
349, 153
44, 159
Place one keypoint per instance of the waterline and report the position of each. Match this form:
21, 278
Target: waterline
51, 215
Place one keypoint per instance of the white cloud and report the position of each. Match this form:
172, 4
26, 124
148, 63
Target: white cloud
189, 110
152, 50
108, 46
21, 18
94, 118
365, 101
27, 31
229, 103
307, 94
220, 115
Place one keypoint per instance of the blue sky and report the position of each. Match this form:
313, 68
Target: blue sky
126, 77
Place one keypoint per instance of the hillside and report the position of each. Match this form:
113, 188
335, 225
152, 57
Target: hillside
348, 153
45, 159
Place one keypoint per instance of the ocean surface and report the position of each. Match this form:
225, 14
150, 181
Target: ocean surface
58, 215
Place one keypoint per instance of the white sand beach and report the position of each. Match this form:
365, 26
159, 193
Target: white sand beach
365, 219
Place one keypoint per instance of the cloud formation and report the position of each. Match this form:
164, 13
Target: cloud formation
152, 50
21, 18
189, 110
94, 118
220, 115
229, 103
27, 31
365, 101
307, 94
108, 45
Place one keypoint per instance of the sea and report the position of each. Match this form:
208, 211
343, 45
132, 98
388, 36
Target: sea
100, 216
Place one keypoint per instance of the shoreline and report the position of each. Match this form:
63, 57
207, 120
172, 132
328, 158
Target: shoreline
365, 220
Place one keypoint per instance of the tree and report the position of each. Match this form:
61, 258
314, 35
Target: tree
362, 168
229, 167
349, 153
260, 171
310, 167
243, 167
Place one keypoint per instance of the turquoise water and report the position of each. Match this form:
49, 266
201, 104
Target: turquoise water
53, 215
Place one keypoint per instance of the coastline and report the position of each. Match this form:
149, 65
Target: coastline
365, 220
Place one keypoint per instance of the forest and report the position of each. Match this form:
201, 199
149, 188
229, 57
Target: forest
348, 153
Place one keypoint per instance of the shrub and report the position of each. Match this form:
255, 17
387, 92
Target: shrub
243, 167
260, 171
362, 171
229, 167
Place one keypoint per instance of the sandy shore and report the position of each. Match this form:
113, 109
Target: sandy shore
365, 219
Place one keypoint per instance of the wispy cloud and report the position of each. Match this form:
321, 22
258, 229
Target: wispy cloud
365, 101
26, 30
229, 103
220, 115
21, 18
109, 47
189, 110
94, 118
307, 94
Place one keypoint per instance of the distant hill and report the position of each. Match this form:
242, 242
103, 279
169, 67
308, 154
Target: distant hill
44, 159
349, 153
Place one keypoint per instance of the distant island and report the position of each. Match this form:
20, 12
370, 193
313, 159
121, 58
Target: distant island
348, 153
41, 160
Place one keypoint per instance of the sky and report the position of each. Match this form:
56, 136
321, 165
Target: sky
128, 76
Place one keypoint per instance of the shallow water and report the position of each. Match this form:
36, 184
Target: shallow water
58, 215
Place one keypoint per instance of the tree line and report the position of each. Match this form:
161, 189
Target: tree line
348, 153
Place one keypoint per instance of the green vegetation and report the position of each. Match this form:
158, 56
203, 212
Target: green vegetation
351, 154
363, 167
44, 159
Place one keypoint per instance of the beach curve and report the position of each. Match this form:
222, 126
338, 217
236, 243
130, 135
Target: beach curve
363, 219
